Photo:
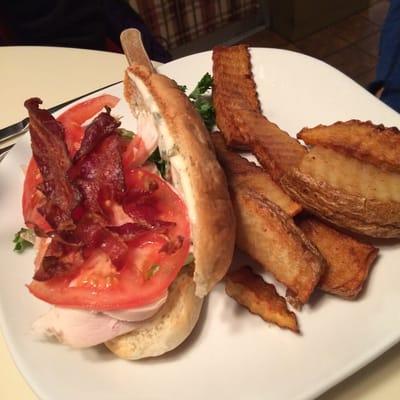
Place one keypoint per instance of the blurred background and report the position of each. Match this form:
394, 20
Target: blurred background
344, 33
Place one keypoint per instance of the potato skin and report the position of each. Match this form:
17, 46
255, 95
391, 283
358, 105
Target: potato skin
369, 217
365, 141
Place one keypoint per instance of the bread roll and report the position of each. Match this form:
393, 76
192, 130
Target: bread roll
168, 328
185, 143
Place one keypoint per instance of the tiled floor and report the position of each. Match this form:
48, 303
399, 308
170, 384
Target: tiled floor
350, 45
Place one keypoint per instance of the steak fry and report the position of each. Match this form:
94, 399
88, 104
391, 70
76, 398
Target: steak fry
270, 237
241, 172
234, 91
260, 298
276, 151
348, 260
232, 75
239, 117
365, 141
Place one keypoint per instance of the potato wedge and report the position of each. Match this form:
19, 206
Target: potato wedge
365, 141
351, 175
241, 172
348, 260
270, 237
234, 91
260, 298
239, 117
276, 151
346, 192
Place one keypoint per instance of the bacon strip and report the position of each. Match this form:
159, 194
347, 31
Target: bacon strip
78, 228
102, 126
99, 176
144, 203
94, 235
62, 258
51, 155
131, 230
59, 260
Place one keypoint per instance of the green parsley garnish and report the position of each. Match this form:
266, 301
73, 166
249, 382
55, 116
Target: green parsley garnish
23, 239
202, 101
160, 163
204, 84
125, 133
206, 109
152, 271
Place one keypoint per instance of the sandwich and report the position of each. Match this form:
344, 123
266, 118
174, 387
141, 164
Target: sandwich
133, 230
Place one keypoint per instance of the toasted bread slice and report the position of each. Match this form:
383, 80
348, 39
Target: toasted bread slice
348, 259
365, 141
270, 237
260, 298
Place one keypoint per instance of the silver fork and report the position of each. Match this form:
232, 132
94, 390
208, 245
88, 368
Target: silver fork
13, 131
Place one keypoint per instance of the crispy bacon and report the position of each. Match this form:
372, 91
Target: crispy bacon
59, 260
140, 204
102, 126
172, 245
81, 194
99, 175
51, 155
131, 230
62, 258
93, 234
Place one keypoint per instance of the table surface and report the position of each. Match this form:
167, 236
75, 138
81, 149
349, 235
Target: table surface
60, 74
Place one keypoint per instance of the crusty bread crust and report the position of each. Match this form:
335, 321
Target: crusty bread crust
211, 213
168, 328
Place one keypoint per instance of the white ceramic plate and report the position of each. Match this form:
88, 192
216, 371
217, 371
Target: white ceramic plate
231, 354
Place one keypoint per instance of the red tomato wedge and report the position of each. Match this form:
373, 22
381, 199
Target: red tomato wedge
151, 265
135, 153
31, 198
142, 144
72, 119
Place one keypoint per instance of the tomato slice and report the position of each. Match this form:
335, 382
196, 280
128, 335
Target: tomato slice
142, 144
72, 119
135, 153
151, 265
31, 198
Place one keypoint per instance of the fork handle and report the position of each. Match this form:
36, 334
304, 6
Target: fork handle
13, 135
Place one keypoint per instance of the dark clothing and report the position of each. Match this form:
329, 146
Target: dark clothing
388, 68
90, 24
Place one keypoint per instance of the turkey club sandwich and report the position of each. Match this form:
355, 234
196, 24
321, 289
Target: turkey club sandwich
133, 230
